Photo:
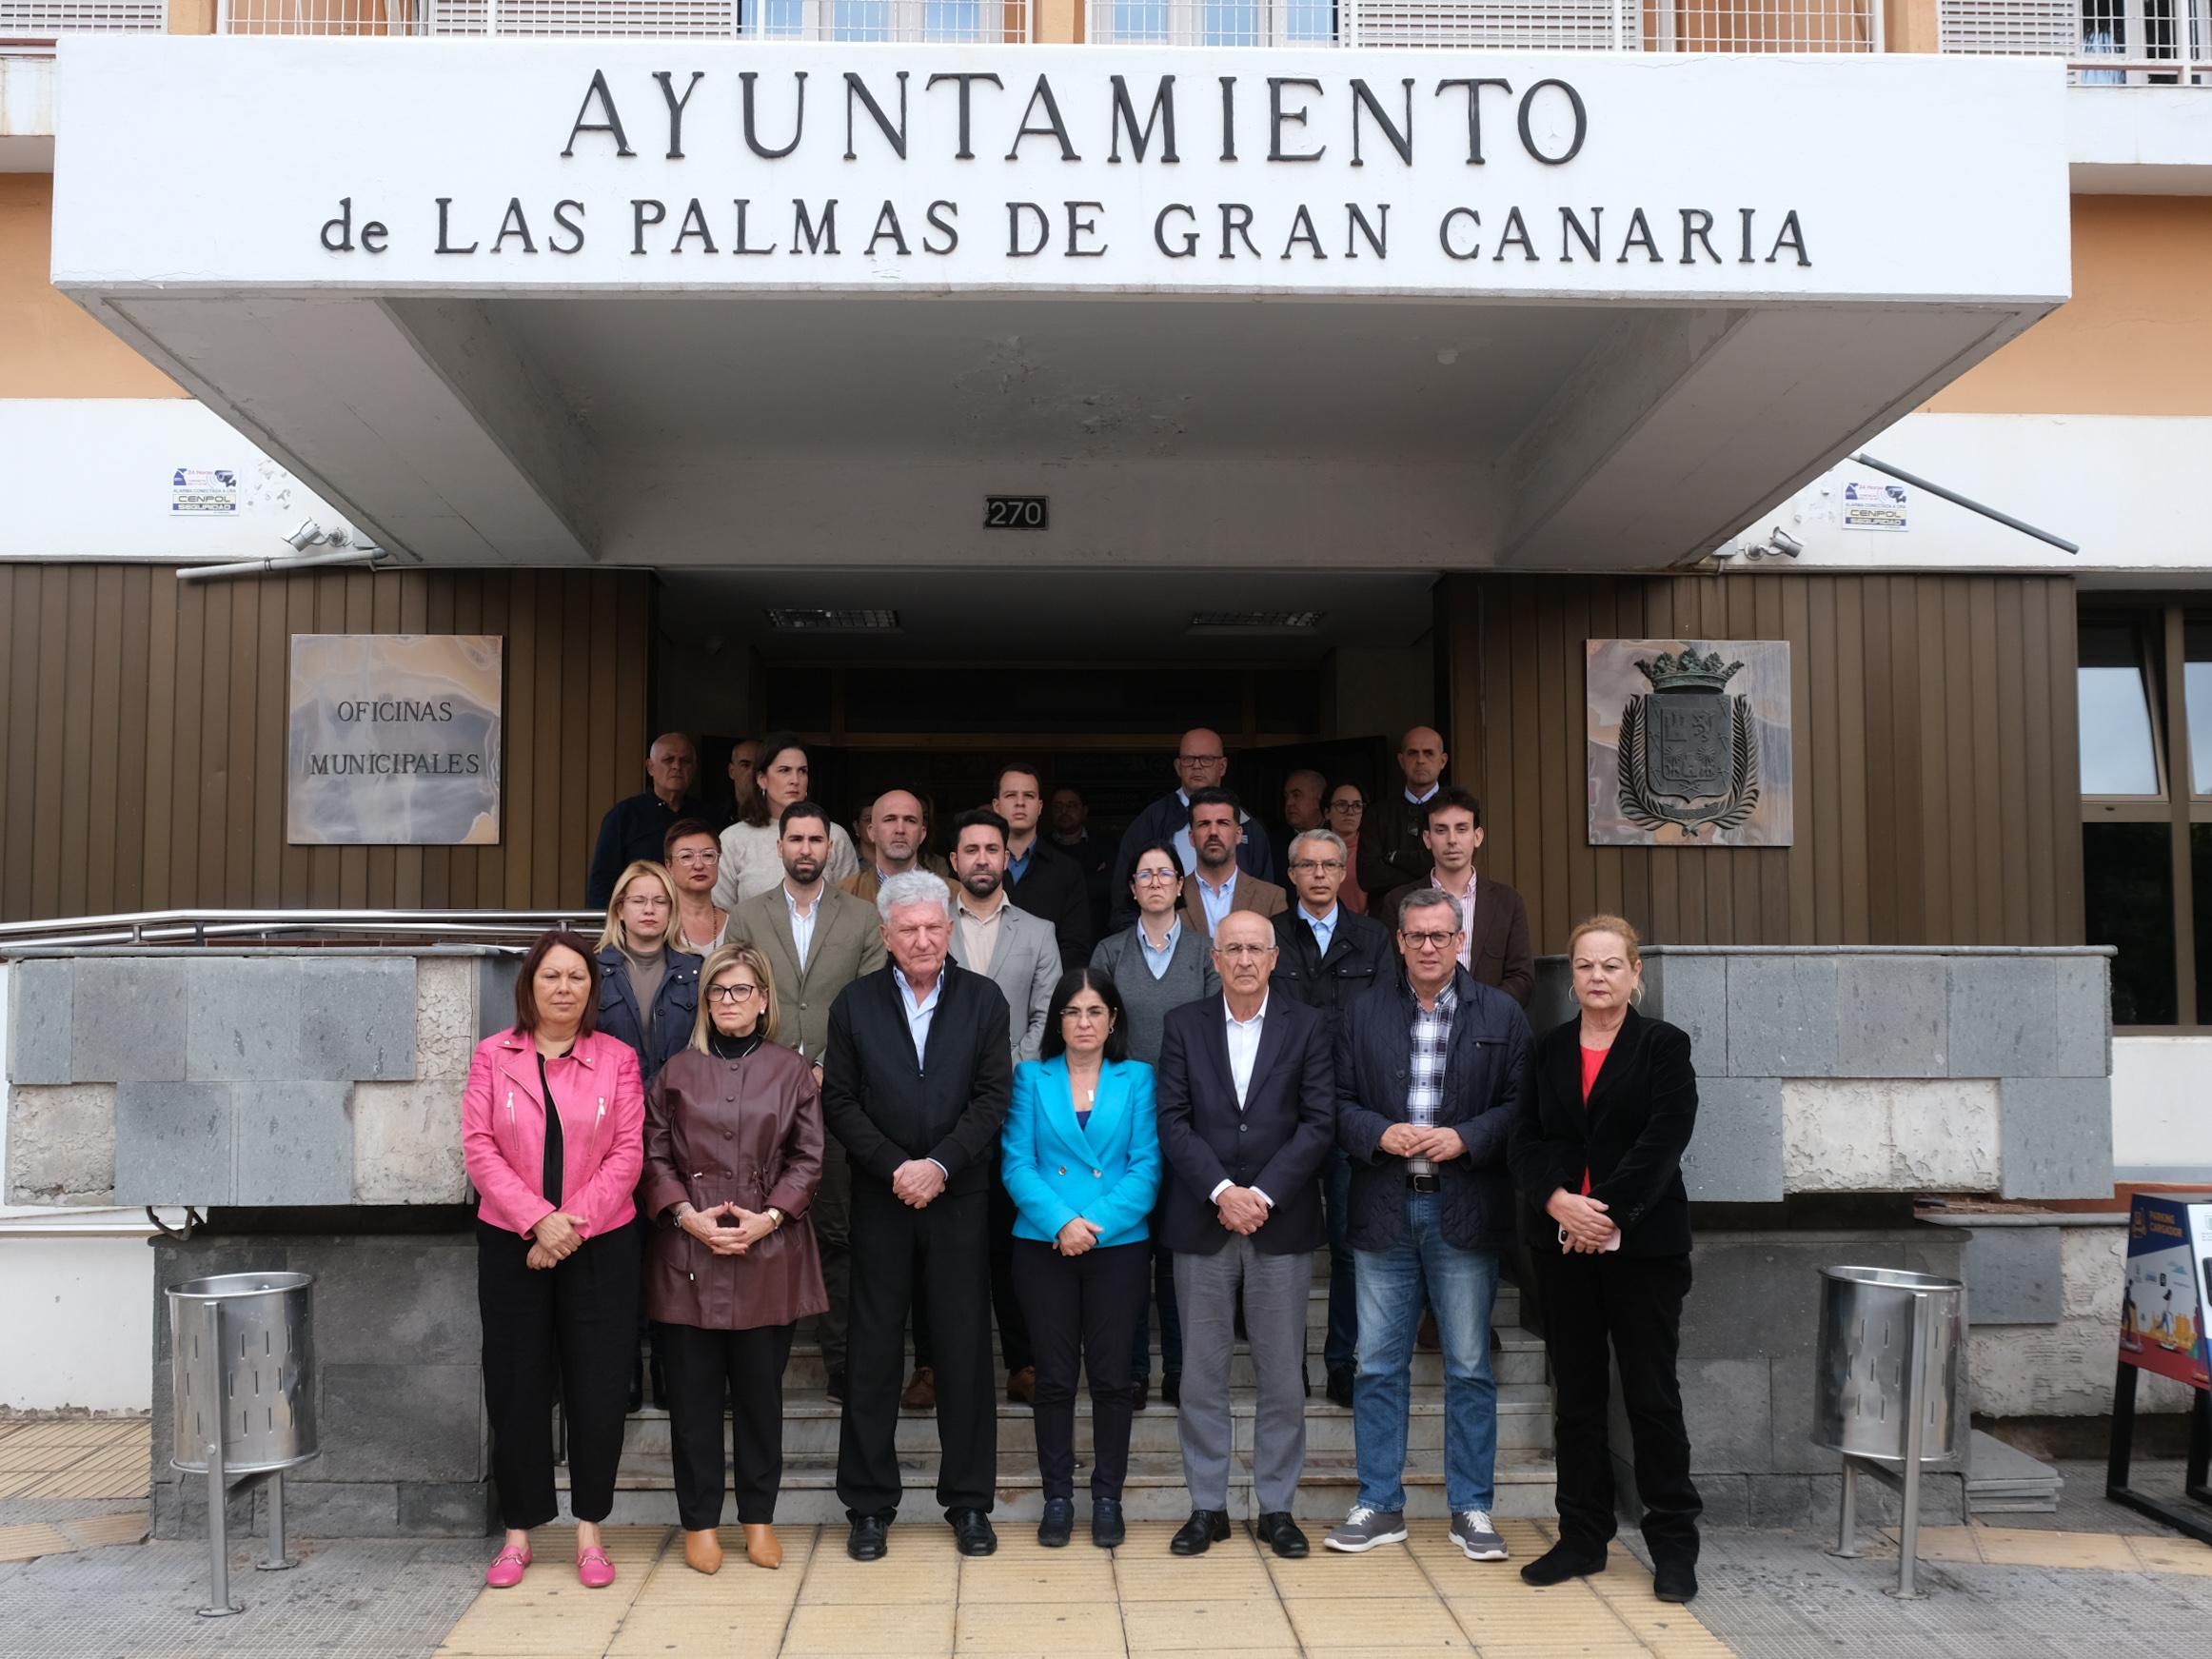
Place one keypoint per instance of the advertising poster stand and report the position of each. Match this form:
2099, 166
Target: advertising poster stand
2162, 1329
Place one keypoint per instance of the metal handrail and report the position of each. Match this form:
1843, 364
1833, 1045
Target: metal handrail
201, 927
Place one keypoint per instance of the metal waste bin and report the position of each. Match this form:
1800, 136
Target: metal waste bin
1886, 1388
242, 1369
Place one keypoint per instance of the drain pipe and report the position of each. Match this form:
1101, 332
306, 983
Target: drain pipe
261, 566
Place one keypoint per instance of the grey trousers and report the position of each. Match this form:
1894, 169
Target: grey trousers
1276, 1290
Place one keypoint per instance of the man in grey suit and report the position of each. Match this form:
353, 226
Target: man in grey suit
994, 936
818, 940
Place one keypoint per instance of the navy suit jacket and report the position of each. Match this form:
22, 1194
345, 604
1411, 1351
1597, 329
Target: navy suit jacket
1276, 1143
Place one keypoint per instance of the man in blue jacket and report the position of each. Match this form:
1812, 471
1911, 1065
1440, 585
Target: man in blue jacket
1429, 1073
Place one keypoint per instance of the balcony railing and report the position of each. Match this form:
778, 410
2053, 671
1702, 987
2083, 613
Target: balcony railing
2106, 42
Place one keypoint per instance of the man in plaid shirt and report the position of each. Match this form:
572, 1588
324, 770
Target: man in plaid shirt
1430, 1071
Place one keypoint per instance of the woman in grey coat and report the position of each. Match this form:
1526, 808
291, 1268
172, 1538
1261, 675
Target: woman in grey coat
1157, 965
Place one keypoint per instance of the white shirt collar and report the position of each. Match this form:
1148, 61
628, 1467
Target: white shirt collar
1258, 1016
1417, 799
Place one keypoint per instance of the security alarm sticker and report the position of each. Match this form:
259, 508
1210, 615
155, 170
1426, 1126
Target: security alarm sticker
204, 489
2162, 1307
1874, 506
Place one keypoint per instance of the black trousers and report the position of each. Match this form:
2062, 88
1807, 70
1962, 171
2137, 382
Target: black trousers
698, 1365
1014, 1347
945, 1246
1632, 1305
574, 1327
1080, 1309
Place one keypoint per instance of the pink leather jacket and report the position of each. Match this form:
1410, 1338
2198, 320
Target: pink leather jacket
601, 1102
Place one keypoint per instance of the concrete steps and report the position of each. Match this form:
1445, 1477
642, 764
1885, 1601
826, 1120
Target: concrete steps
1155, 1490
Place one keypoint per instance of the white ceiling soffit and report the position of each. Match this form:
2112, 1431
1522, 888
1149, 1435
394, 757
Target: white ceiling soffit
505, 331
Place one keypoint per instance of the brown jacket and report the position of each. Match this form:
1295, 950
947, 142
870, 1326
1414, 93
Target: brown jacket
1252, 894
747, 1132
1498, 952
865, 883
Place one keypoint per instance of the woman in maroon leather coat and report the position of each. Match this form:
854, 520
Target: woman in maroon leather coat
733, 1154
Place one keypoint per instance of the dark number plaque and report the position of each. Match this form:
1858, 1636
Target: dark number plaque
1015, 512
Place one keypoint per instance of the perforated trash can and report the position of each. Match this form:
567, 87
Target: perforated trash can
264, 1328
1866, 1364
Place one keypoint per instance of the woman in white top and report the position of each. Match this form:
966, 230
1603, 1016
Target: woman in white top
695, 859
749, 862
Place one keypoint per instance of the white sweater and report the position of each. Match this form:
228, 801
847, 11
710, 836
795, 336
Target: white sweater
750, 862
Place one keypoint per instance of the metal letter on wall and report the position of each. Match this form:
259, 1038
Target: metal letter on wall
1689, 744
395, 740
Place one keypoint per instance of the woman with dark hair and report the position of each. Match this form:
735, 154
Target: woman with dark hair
552, 1133
1157, 965
1082, 1164
750, 863
733, 1156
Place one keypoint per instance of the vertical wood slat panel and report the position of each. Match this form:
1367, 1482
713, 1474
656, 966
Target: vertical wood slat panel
131, 768
19, 685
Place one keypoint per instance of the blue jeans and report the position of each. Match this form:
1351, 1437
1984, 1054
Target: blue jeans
1393, 1284
1337, 1351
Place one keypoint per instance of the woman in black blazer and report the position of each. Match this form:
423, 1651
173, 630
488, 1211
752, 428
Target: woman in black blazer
1598, 1148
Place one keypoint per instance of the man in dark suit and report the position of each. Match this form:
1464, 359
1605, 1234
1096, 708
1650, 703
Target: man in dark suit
916, 1080
1039, 877
1247, 1113
637, 827
1327, 959
1201, 762
1093, 857
1391, 850
1496, 946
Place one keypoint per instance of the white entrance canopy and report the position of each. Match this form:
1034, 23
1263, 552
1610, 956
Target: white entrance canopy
728, 302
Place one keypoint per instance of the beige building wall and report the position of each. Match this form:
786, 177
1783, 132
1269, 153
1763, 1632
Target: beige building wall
49, 349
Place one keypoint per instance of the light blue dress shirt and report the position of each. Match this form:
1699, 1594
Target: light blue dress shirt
1218, 904
918, 1015
1324, 926
1157, 962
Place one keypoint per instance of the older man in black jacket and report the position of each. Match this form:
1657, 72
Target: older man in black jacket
916, 1080
1429, 1073
1329, 957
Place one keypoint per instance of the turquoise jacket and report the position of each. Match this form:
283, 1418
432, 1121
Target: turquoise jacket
1108, 1172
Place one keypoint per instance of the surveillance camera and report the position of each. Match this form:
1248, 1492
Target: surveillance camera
1782, 544
309, 534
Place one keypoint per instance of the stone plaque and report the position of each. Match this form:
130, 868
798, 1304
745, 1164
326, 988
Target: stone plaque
395, 740
1688, 742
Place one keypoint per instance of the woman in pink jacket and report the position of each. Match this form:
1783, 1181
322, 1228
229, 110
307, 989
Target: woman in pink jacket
557, 1263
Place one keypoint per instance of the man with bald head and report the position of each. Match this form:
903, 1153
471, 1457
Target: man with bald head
1247, 1092
1391, 850
1201, 762
898, 828
637, 827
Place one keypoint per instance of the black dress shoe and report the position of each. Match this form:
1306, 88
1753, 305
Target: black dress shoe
660, 1381
637, 1384
1204, 1529
835, 1388
1108, 1530
1058, 1525
871, 1538
1562, 1562
1280, 1533
1340, 1387
1140, 1393
1675, 1580
1170, 1388
971, 1533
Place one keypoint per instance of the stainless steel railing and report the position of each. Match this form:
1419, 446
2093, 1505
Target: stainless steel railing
188, 928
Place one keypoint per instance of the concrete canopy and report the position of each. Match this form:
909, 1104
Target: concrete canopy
1608, 343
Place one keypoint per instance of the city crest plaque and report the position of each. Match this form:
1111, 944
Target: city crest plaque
1688, 742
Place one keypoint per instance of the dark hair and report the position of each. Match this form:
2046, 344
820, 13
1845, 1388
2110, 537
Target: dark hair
803, 809
1026, 769
1076, 980
525, 992
680, 830
980, 818
771, 746
1159, 846
1215, 797
1451, 796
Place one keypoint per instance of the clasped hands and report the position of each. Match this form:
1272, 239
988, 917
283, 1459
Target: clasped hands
1434, 1143
1241, 1209
916, 1181
705, 1226
1077, 1236
554, 1239
1590, 1229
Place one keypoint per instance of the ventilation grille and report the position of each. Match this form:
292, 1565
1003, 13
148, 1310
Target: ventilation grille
826, 621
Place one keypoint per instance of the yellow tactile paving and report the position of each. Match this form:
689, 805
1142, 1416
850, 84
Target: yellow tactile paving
1356, 1626
1230, 1624
98, 1531
2174, 1555
549, 1614
1079, 1630
30, 1543
77, 1457
830, 1630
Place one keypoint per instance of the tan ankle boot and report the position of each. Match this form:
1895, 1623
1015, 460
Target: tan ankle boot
703, 1551
761, 1549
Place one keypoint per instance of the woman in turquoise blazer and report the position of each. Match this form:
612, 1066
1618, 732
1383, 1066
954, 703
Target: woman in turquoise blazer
1082, 1164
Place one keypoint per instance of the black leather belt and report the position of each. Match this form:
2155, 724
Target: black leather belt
1426, 1183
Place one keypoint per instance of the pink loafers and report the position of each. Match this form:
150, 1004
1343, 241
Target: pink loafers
505, 1570
593, 1569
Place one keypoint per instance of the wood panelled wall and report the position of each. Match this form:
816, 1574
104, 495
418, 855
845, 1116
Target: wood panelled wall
144, 727
1935, 754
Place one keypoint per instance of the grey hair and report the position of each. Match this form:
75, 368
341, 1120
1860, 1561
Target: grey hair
1427, 898
1320, 778
913, 887
1334, 839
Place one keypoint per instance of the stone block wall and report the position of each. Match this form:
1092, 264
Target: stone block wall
1872, 1070
205, 1077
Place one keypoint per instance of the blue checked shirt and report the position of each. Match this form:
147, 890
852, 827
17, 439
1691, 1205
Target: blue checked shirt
1432, 1046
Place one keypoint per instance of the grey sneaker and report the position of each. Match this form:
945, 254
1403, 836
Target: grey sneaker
1473, 1533
1364, 1528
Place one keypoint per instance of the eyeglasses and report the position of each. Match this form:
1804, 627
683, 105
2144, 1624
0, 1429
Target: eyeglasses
1348, 806
648, 900
1152, 875
1303, 865
1202, 760
1236, 952
730, 993
1429, 940
700, 855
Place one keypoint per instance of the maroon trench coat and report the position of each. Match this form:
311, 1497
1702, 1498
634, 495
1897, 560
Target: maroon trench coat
747, 1132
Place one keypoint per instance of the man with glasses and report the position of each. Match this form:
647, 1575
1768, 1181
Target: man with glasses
1247, 1113
1201, 762
1326, 958
1429, 1073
